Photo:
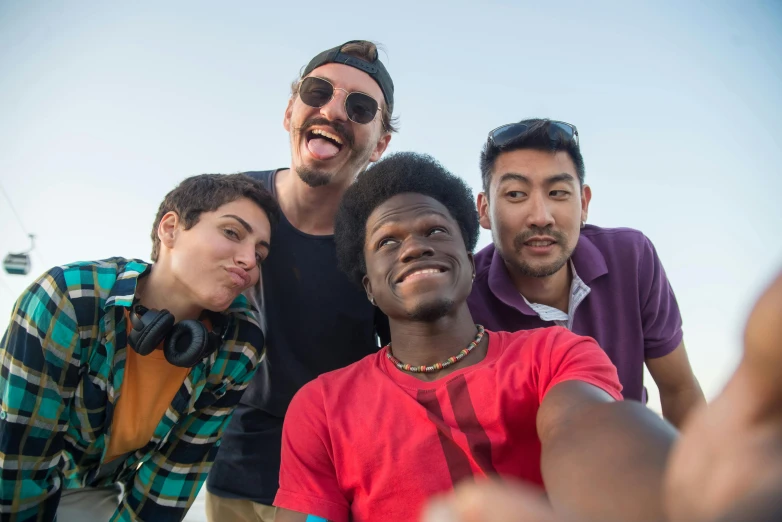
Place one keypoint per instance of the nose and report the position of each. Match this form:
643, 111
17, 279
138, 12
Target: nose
539, 214
415, 248
245, 257
334, 110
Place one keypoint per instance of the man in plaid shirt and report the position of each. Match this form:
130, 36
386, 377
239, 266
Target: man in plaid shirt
101, 417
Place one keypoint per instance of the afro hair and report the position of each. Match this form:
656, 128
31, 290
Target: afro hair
397, 174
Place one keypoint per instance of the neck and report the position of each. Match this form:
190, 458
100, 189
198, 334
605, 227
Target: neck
160, 290
553, 290
420, 343
310, 210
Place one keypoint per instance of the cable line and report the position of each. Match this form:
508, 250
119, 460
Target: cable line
21, 224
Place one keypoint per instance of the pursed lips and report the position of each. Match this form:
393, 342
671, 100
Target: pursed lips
239, 276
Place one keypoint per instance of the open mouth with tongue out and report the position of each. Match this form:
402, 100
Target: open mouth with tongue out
322, 144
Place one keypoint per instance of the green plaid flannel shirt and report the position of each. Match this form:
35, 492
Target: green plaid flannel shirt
62, 363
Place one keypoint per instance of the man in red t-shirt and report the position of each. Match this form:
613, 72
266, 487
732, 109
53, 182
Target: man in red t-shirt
447, 401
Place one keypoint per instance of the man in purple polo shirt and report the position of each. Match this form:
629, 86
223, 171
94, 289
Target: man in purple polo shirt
548, 267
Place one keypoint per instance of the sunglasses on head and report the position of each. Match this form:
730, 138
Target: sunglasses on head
557, 130
317, 92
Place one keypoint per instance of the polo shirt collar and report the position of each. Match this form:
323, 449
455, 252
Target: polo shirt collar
588, 260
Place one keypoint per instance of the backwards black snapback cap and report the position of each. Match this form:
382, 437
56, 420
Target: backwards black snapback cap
375, 69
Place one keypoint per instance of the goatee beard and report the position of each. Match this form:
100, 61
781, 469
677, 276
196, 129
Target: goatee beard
313, 178
319, 178
541, 271
527, 270
431, 312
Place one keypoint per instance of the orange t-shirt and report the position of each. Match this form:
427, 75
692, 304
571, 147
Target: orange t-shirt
146, 392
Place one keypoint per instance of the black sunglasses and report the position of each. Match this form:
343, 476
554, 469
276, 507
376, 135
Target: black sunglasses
557, 130
359, 106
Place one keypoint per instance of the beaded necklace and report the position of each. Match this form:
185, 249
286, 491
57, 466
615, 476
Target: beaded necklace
437, 366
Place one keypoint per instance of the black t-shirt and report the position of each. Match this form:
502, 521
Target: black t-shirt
317, 320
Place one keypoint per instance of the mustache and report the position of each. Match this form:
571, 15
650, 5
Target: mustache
339, 128
525, 236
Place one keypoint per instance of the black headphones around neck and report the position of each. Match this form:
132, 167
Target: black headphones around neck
185, 343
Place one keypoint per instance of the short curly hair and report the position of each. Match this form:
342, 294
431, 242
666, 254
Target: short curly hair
397, 174
208, 192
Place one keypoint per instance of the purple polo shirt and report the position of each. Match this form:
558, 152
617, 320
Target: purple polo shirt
631, 310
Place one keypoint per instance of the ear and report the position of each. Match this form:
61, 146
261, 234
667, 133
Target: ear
483, 210
586, 197
471, 257
286, 121
167, 229
380, 148
367, 287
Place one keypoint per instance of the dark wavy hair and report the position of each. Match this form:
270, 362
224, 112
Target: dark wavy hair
397, 174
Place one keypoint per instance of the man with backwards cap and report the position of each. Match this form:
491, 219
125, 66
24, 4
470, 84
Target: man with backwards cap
339, 118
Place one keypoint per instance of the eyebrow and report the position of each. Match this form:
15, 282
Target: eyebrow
247, 227
350, 91
560, 177
514, 176
394, 219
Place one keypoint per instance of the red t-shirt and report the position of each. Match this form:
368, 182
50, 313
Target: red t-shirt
370, 442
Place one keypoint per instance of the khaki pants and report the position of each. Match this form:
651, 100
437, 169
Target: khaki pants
221, 509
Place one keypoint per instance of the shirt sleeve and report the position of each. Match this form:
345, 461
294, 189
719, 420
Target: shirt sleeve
308, 478
565, 356
39, 372
662, 321
165, 486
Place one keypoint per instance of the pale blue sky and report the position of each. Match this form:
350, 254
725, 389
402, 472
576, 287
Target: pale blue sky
104, 107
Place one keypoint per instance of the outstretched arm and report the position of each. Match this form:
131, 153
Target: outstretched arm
726, 466
602, 460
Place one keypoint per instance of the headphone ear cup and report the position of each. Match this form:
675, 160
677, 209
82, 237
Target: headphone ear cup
149, 329
187, 343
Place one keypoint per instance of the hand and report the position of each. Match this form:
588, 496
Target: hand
731, 452
491, 501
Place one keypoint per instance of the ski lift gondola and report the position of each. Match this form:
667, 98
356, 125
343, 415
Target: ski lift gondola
19, 264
